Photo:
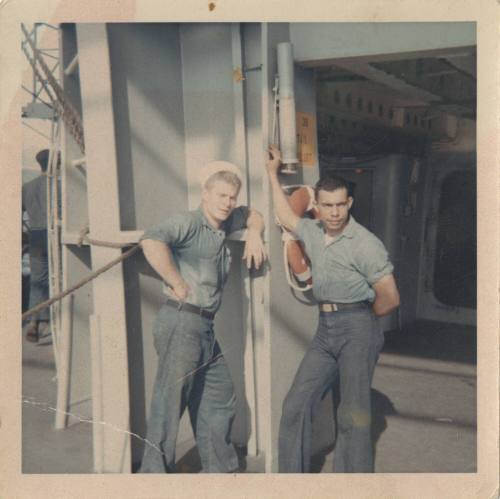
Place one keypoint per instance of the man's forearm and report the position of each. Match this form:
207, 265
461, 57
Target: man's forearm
384, 307
386, 296
255, 222
254, 246
282, 208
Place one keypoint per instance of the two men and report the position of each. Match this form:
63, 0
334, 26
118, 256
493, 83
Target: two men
190, 255
353, 283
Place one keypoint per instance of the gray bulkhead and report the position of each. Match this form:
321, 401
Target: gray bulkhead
177, 103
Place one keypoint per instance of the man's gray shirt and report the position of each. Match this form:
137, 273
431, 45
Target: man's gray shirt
200, 252
35, 202
344, 270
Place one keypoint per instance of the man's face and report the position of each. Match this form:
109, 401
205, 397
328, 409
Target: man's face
219, 200
333, 208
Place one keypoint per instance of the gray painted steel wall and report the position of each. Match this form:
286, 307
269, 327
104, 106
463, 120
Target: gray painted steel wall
149, 121
210, 120
173, 101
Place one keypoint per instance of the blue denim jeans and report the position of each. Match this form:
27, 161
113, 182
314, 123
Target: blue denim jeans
346, 344
39, 273
191, 373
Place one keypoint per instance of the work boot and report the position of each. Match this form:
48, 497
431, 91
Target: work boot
32, 332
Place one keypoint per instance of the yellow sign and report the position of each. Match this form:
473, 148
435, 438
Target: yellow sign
305, 138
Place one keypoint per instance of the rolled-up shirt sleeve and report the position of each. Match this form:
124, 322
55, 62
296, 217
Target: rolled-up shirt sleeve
373, 261
237, 220
174, 232
305, 230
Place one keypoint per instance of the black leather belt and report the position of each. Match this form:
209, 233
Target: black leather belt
335, 307
203, 312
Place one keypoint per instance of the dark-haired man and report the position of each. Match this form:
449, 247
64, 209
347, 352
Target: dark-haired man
189, 253
34, 202
353, 283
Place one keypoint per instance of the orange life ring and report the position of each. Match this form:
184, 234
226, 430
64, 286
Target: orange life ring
301, 202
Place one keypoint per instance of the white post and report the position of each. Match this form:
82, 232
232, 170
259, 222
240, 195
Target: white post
96, 361
64, 353
264, 287
241, 153
104, 222
67, 304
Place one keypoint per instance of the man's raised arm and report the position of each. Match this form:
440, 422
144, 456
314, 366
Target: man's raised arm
284, 212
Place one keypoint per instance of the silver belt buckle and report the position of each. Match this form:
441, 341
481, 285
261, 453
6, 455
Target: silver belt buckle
329, 307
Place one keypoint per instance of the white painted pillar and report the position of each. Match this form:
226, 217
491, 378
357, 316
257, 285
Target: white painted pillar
111, 398
241, 159
264, 286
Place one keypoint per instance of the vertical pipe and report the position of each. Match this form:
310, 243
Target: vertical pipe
66, 306
56, 230
239, 108
241, 156
249, 363
53, 240
34, 75
48, 223
287, 123
96, 375
64, 366
265, 419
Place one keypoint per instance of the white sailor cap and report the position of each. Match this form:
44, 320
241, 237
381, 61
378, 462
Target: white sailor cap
206, 171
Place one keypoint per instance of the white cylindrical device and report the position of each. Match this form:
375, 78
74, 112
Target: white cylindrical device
287, 123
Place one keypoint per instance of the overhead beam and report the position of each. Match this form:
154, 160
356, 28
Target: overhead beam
388, 80
316, 42
465, 65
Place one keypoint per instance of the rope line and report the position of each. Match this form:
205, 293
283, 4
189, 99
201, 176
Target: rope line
83, 237
84, 281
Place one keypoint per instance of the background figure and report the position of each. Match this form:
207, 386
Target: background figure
34, 199
25, 265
